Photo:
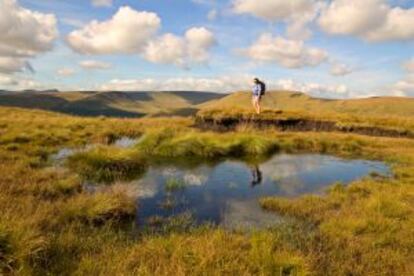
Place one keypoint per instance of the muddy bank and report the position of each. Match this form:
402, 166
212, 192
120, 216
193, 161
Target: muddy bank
227, 124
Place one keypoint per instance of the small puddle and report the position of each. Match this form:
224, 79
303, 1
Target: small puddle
227, 193
64, 153
125, 142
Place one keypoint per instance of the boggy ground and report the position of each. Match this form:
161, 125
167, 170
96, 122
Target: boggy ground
378, 125
50, 225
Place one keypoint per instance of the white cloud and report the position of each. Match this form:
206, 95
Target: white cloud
273, 10
135, 32
172, 49
199, 41
219, 84
314, 89
371, 20
94, 64
24, 34
229, 83
65, 72
6, 80
10, 65
212, 15
340, 69
102, 3
405, 87
297, 13
285, 52
168, 48
409, 66
127, 32
16, 83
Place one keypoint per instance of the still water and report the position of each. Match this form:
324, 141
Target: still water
227, 193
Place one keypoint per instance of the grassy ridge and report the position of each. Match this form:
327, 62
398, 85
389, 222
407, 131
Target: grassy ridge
50, 225
300, 102
112, 104
385, 112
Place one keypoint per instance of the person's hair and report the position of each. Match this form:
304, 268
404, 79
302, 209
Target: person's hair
256, 80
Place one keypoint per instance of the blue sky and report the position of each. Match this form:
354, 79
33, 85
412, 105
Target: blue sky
336, 51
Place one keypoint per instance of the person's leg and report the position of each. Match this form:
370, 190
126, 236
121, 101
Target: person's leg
256, 105
259, 108
253, 102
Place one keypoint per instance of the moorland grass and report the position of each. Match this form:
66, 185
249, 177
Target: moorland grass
107, 164
399, 124
51, 225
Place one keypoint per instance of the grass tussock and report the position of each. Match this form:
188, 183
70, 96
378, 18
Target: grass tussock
106, 164
98, 208
206, 144
206, 252
367, 221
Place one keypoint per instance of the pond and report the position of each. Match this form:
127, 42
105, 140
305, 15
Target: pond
227, 193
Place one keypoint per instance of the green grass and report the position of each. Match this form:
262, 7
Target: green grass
51, 226
107, 164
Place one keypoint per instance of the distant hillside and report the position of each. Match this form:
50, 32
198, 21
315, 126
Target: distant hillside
180, 103
300, 102
113, 104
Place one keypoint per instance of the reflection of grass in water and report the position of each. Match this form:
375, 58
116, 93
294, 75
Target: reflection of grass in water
168, 203
174, 184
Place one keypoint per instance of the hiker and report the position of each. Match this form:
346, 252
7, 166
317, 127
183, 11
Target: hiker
259, 89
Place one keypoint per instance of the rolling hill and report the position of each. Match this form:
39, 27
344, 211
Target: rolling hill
180, 103
303, 103
377, 116
112, 104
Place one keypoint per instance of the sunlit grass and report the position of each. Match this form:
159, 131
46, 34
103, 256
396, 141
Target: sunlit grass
51, 225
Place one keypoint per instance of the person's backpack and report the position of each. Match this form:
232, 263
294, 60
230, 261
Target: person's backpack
262, 88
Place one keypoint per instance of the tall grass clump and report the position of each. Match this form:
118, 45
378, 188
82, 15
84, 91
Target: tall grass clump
200, 252
206, 145
107, 164
6, 250
97, 208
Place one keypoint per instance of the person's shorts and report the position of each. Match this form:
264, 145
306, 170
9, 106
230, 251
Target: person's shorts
257, 98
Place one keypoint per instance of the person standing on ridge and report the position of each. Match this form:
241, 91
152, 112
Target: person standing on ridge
259, 89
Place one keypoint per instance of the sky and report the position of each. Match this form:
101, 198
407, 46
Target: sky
332, 49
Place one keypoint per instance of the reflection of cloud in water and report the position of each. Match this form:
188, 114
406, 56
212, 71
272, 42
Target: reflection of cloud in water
291, 186
287, 169
125, 142
283, 165
144, 188
195, 179
168, 172
247, 214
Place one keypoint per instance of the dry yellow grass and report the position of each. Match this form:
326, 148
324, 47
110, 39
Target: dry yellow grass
50, 225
